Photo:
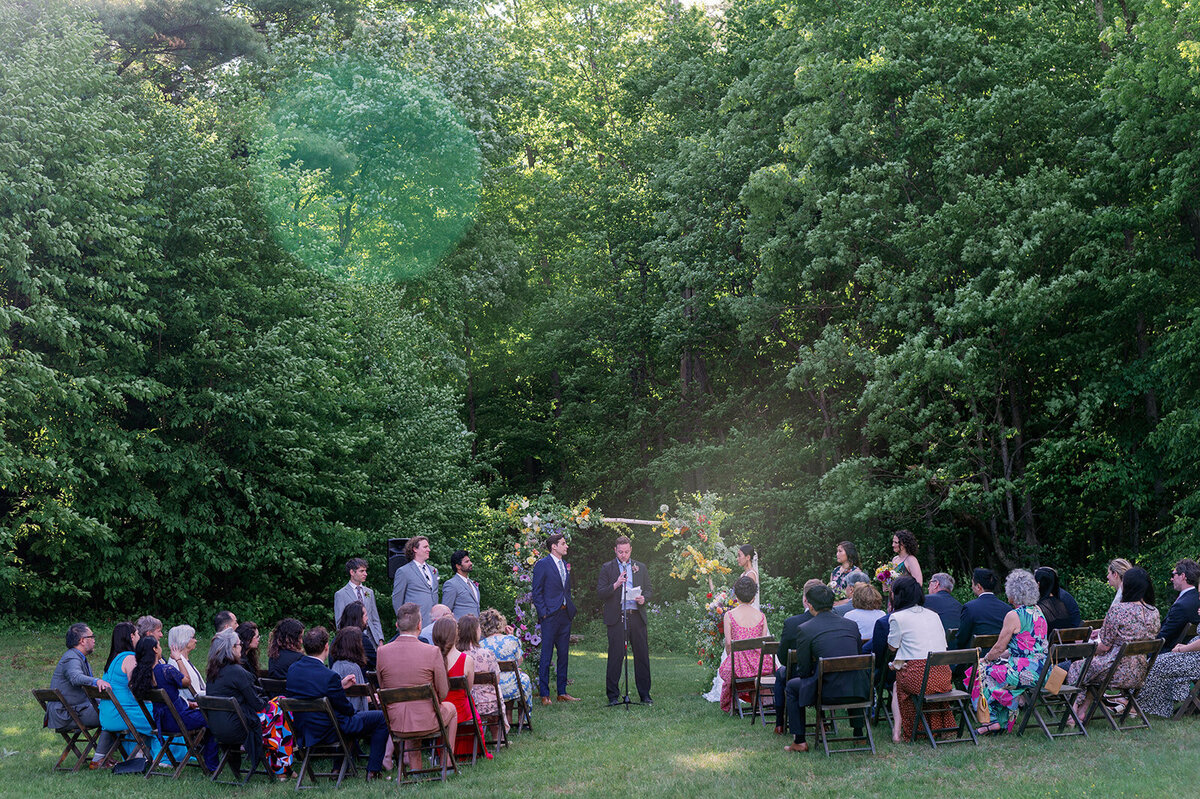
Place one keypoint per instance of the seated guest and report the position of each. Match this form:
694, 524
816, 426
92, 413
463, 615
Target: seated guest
435, 613
1014, 664
148, 626
1116, 573
308, 678
788, 637
940, 601
742, 621
150, 673
498, 638
247, 633
867, 604
228, 678
468, 641
355, 615
406, 662
72, 672
853, 582
826, 635
983, 615
458, 664
182, 640
346, 657
914, 632
224, 620
1055, 611
284, 648
1134, 618
121, 661
1185, 609
1171, 679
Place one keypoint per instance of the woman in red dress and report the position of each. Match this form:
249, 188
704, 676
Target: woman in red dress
445, 638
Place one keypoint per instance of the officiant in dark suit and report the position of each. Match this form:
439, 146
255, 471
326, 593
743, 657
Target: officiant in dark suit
625, 621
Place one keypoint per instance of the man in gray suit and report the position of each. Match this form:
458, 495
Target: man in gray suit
70, 675
461, 593
356, 591
416, 581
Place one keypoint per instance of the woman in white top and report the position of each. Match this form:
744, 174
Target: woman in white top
914, 632
182, 640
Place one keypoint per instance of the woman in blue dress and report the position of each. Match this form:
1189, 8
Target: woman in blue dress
150, 673
505, 646
121, 662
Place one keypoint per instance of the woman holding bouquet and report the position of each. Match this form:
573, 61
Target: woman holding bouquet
904, 544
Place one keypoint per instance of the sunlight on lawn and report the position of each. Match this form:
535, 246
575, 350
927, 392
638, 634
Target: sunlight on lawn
714, 760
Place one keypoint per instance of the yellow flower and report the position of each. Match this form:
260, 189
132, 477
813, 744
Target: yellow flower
530, 560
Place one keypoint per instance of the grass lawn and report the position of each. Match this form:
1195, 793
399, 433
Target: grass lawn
682, 746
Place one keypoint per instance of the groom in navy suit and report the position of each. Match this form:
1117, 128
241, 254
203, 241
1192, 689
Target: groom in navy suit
555, 610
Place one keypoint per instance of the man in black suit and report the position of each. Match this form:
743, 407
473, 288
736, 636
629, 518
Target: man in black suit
308, 678
788, 637
826, 635
983, 615
941, 602
1186, 608
625, 618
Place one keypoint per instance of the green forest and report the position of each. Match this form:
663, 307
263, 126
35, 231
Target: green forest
282, 279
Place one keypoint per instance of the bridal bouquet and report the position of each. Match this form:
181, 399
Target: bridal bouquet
885, 575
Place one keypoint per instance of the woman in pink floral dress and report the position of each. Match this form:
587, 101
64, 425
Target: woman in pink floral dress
1014, 664
743, 621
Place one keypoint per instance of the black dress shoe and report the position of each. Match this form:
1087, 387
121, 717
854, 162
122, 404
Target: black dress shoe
614, 702
647, 700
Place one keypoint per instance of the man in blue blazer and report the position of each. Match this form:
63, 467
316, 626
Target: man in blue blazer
983, 615
308, 678
939, 600
1186, 608
552, 600
417, 580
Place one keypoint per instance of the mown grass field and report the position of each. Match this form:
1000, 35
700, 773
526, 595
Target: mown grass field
680, 747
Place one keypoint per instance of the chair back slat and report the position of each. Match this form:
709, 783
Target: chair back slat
984, 642
747, 644
845, 663
412, 693
1071, 635
458, 683
953, 657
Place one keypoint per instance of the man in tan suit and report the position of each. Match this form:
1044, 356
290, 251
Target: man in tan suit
406, 662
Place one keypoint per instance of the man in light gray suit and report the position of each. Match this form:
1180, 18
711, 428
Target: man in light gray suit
70, 675
356, 591
416, 581
460, 592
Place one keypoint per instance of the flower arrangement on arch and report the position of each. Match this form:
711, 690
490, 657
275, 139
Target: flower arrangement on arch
698, 550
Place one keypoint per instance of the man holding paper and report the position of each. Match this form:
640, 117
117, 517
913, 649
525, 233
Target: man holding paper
624, 587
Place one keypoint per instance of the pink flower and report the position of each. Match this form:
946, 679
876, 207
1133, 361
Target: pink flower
1025, 640
1002, 697
1039, 627
1022, 663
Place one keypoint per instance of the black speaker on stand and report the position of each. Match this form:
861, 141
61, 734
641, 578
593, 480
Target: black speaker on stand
395, 556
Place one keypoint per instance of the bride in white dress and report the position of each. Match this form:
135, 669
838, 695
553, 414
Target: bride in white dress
747, 559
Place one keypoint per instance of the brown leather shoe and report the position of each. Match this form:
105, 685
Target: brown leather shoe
800, 747
546, 700
567, 698
779, 730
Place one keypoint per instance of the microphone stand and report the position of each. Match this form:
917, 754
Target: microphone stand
625, 634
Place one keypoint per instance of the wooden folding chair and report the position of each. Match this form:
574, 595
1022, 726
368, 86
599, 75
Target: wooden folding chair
140, 742
828, 711
372, 678
1097, 693
272, 688
73, 735
338, 750
492, 721
364, 691
951, 637
1059, 706
764, 684
210, 705
164, 749
468, 727
1191, 704
883, 693
1070, 635
191, 740
983, 642
742, 683
521, 716
1095, 624
436, 740
960, 701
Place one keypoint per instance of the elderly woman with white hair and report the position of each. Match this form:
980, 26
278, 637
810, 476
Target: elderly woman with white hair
182, 640
1013, 665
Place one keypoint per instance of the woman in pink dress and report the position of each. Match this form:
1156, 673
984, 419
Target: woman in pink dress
743, 621
458, 664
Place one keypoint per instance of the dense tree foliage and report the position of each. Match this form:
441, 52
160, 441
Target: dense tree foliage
853, 267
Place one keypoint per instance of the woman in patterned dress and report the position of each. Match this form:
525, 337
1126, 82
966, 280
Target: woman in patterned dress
1171, 679
499, 640
484, 696
1014, 664
847, 564
1134, 618
743, 621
